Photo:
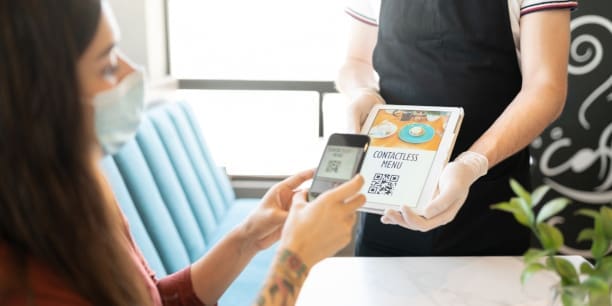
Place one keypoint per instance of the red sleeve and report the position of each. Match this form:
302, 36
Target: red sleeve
177, 290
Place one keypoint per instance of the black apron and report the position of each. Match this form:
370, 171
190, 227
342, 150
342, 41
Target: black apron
452, 53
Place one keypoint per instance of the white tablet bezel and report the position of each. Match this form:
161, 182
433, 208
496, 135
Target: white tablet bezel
442, 156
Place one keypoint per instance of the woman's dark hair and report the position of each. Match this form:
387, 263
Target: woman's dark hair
53, 204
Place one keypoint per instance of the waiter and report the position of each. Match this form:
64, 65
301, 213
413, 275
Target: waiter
504, 62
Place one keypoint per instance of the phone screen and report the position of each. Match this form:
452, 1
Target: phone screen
341, 160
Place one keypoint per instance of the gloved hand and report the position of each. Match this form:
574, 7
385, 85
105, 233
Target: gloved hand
453, 187
361, 102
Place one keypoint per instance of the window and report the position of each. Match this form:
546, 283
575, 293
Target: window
256, 40
259, 132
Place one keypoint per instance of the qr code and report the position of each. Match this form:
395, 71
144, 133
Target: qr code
332, 166
383, 184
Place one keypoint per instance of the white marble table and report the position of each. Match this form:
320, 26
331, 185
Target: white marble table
425, 281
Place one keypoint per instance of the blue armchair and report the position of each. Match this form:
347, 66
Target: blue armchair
178, 202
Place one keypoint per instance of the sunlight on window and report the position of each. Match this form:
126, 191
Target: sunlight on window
259, 133
256, 40
262, 133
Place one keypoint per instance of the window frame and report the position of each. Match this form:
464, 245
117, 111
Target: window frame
249, 185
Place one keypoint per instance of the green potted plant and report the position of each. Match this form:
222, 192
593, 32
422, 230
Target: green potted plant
588, 285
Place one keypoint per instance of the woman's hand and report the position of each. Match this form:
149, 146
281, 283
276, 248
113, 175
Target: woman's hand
263, 226
312, 232
322, 227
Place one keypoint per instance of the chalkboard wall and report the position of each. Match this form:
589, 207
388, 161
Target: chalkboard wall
574, 155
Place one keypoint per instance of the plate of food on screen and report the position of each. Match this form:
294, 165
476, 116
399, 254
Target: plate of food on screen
417, 133
383, 130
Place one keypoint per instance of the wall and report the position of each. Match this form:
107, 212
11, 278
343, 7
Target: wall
143, 34
574, 155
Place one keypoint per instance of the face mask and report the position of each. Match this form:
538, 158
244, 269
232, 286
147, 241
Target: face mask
118, 112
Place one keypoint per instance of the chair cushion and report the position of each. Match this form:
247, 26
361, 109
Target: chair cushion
221, 177
172, 192
194, 170
151, 208
178, 201
137, 228
245, 288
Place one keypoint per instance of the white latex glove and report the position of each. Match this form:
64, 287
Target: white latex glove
453, 187
362, 100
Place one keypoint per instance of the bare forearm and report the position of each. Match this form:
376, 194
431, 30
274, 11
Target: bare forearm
358, 70
544, 56
524, 119
356, 74
284, 282
212, 274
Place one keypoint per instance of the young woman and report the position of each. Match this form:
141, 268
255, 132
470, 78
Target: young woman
66, 96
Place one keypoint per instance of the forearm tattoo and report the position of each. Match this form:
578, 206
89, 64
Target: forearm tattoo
284, 282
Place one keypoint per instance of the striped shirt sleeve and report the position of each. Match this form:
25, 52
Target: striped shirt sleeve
366, 11
530, 6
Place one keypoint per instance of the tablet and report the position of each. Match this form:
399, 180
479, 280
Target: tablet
410, 145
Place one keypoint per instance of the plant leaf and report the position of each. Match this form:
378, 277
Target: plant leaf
526, 207
600, 245
532, 255
565, 269
586, 268
538, 194
605, 269
600, 298
520, 191
552, 208
524, 213
514, 207
606, 218
530, 270
550, 237
595, 283
503, 206
574, 296
586, 234
587, 213
569, 299
599, 291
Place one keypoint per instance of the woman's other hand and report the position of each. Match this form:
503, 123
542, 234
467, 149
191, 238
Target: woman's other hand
322, 227
263, 226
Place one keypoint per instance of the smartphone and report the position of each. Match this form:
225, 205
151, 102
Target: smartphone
341, 160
